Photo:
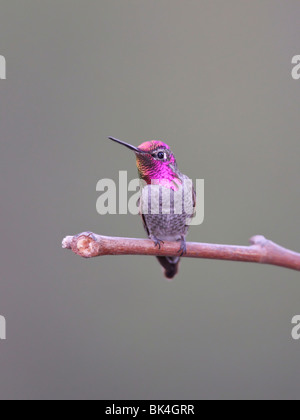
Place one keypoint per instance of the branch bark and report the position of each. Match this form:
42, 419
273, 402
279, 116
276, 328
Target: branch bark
261, 250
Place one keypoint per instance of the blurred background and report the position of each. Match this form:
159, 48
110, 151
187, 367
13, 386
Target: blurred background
213, 80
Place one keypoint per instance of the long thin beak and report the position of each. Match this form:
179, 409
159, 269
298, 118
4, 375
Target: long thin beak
129, 146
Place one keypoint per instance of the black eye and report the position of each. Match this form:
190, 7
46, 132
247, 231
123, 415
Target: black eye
161, 155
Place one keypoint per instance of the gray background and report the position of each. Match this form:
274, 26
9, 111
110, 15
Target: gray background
212, 79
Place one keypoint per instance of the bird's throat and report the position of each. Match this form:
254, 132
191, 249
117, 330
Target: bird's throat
166, 178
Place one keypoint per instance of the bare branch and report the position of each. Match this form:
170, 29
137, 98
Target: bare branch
261, 250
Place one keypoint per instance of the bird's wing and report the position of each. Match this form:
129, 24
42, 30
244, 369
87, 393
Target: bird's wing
143, 217
194, 201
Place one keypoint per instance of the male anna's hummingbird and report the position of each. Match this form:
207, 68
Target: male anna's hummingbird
167, 201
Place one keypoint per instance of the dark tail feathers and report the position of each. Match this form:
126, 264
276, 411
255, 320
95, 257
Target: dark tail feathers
170, 264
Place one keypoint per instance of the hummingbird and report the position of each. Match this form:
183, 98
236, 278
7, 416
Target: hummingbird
167, 201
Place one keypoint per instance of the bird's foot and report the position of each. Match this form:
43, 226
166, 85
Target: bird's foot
182, 249
157, 242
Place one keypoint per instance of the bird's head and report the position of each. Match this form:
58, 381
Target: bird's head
155, 162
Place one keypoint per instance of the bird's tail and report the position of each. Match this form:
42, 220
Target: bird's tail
170, 264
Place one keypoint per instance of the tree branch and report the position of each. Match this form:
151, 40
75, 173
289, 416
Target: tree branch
261, 250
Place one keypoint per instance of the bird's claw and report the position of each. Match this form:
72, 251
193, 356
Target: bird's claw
158, 242
182, 249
